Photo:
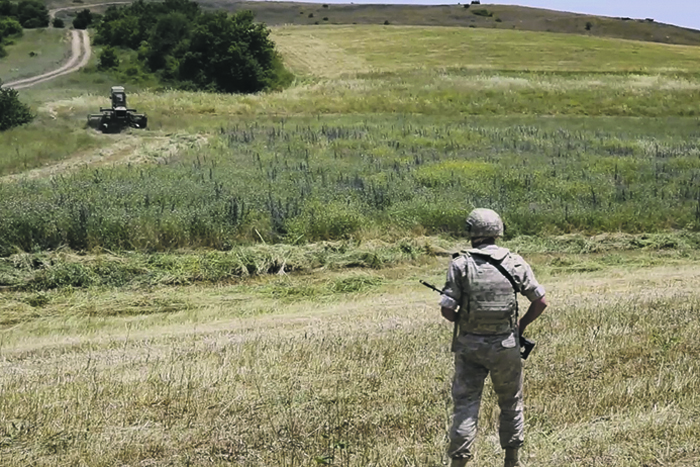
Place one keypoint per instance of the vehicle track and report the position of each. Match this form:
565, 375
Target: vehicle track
80, 52
80, 55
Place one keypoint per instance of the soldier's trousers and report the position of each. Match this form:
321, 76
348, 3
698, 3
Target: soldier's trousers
475, 358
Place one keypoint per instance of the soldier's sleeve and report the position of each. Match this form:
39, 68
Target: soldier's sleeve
452, 292
528, 284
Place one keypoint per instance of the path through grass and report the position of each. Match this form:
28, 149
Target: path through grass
36, 52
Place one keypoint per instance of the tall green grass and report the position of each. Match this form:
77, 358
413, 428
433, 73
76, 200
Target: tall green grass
301, 180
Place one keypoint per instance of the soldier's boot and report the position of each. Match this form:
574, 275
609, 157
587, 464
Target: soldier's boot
459, 462
511, 458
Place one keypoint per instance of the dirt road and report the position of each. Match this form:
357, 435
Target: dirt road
80, 55
80, 52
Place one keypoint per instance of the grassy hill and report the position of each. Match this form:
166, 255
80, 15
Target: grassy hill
477, 16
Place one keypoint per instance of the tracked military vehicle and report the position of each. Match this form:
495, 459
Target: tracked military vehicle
119, 116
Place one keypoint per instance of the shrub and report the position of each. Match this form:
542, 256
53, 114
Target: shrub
108, 59
192, 49
386, 22
12, 111
589, 25
58, 23
9, 27
311, 15
325, 18
7, 8
466, 5
32, 14
482, 12
83, 19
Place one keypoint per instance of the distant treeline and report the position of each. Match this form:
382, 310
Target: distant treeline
193, 49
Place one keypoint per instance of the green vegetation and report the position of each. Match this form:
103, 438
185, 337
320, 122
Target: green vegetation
29, 13
237, 285
83, 19
12, 111
64, 271
108, 59
350, 158
194, 49
345, 178
482, 12
9, 27
35, 52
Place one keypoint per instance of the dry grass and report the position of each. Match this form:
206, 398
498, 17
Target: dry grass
390, 49
357, 380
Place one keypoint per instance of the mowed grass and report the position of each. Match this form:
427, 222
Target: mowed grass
359, 377
51, 48
399, 48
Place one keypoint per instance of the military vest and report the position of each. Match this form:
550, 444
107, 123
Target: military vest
489, 303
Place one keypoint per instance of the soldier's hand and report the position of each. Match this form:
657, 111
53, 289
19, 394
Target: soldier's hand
449, 314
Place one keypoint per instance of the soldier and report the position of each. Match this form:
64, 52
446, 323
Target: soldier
483, 282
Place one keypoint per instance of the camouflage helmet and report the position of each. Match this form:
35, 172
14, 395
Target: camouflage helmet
484, 223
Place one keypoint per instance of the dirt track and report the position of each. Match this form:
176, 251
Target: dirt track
80, 52
80, 55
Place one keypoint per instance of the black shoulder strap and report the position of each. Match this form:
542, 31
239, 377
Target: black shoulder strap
501, 269
497, 264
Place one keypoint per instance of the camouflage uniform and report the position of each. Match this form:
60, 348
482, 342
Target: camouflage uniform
487, 342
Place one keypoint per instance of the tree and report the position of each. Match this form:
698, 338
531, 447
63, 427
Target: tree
8, 8
108, 59
9, 27
168, 33
12, 111
229, 54
32, 14
193, 49
58, 23
83, 19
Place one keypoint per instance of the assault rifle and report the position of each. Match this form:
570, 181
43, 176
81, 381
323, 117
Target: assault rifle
526, 345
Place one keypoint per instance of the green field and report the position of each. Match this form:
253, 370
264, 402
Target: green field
238, 284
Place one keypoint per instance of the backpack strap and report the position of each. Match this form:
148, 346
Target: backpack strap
498, 265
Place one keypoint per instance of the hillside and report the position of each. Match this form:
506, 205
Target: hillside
237, 284
497, 17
